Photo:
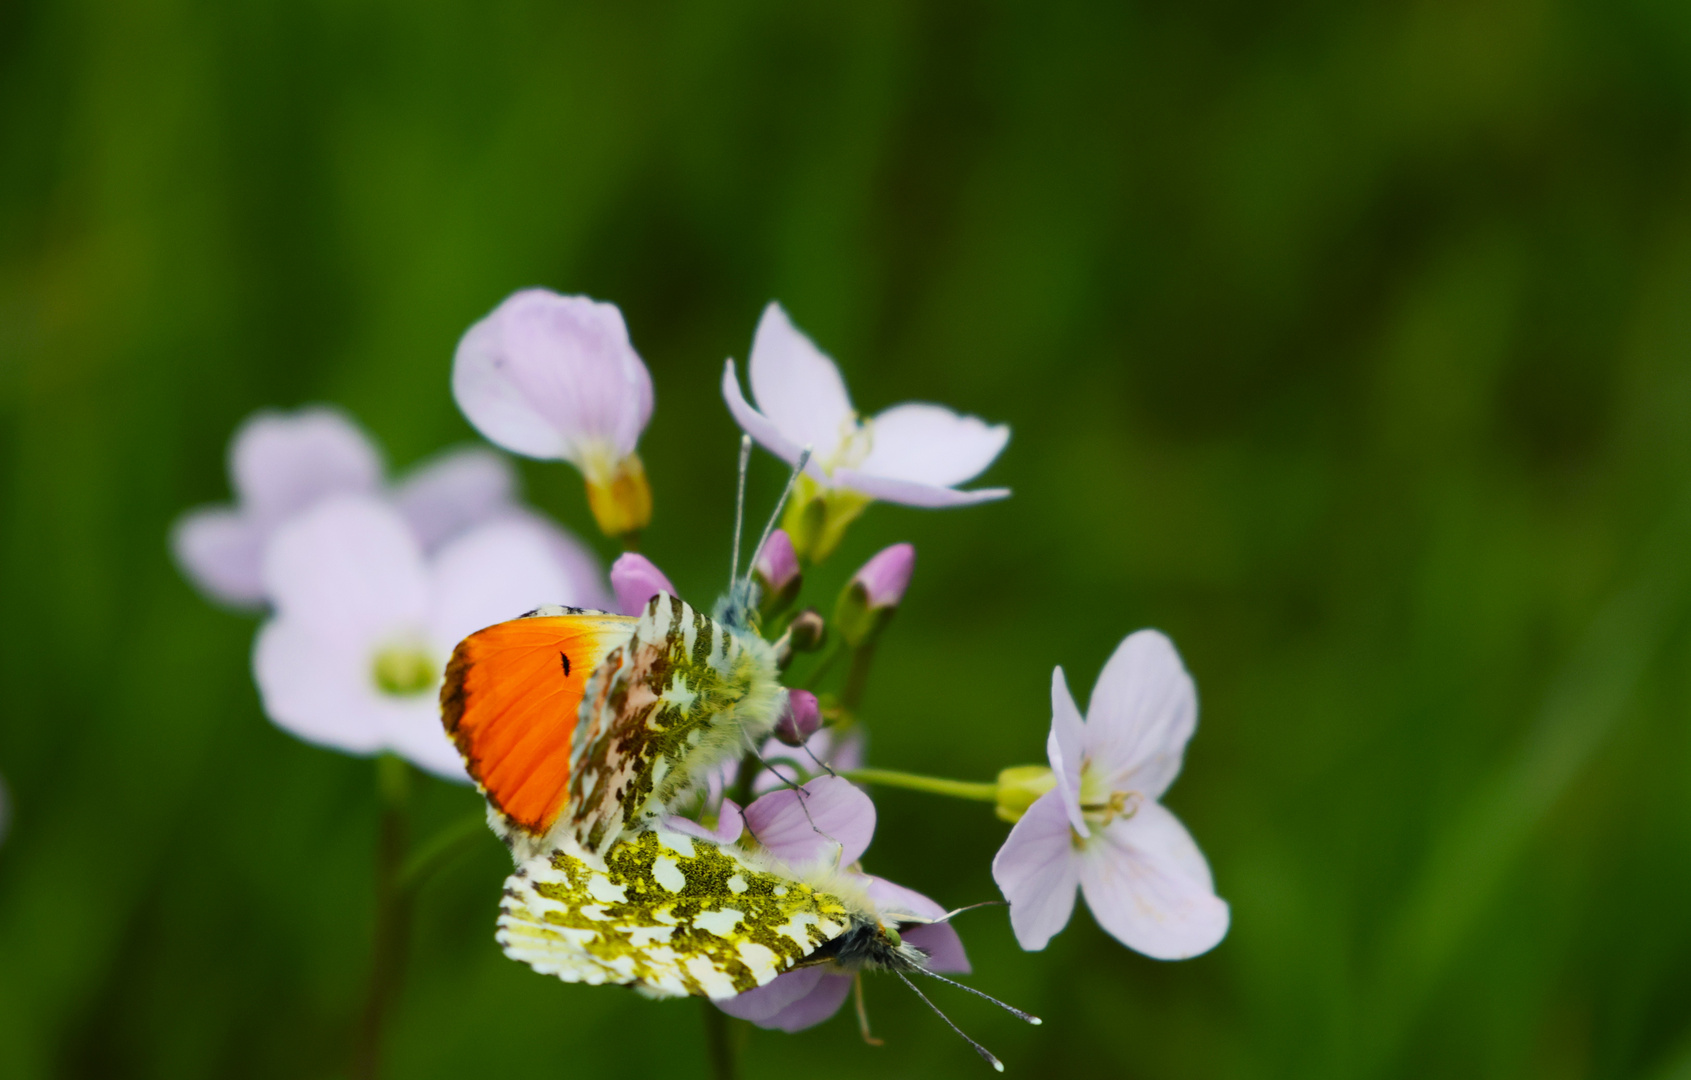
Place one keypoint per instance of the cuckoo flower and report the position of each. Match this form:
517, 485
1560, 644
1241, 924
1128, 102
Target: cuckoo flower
364, 621
636, 579
914, 454
556, 377
1101, 827
831, 828
283, 464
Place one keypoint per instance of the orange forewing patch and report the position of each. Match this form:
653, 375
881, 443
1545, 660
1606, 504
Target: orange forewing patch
510, 701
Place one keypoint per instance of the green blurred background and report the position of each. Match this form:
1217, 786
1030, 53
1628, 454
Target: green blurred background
1349, 344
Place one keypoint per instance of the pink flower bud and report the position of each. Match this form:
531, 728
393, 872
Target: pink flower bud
885, 577
777, 564
636, 580
800, 719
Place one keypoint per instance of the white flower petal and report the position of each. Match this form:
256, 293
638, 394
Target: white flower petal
552, 376
222, 552
1143, 711
349, 570
281, 464
759, 426
1066, 748
797, 386
493, 573
911, 492
413, 730
1037, 870
318, 689
1149, 886
456, 491
930, 444
829, 821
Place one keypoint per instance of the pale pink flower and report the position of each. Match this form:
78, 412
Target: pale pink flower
556, 377
1101, 829
831, 828
365, 620
915, 454
283, 464
636, 579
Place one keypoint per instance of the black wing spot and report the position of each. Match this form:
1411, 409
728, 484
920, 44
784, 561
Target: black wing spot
565, 658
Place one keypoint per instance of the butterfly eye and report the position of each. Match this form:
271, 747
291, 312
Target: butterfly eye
892, 935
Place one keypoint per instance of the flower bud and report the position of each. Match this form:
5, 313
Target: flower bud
874, 594
636, 580
1019, 786
808, 631
777, 573
800, 719
620, 497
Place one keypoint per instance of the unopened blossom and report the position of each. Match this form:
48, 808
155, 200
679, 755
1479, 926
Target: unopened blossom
828, 825
1101, 828
282, 464
874, 593
557, 378
636, 579
915, 454
776, 571
800, 719
365, 621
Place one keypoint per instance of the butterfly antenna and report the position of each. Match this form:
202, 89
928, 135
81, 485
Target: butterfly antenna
979, 1049
969, 907
780, 505
1011, 1009
739, 513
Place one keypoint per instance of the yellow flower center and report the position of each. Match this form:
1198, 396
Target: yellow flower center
1099, 804
404, 670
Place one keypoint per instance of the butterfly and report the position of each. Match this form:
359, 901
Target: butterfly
583, 730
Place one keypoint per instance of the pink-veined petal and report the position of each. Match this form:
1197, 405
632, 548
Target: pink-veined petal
792, 1001
636, 579
282, 463
454, 492
1149, 886
1143, 710
551, 376
1037, 870
1066, 748
730, 822
318, 689
912, 493
760, 427
830, 822
797, 386
349, 569
493, 573
930, 444
938, 940
222, 552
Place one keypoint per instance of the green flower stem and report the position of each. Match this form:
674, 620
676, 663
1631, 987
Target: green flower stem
857, 676
933, 785
393, 917
451, 842
719, 1042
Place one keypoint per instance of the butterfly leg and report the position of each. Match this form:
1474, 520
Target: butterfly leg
863, 1013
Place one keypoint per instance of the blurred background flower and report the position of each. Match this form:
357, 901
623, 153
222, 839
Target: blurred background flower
1348, 344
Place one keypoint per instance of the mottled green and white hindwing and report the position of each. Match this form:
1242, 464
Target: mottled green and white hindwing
669, 914
681, 696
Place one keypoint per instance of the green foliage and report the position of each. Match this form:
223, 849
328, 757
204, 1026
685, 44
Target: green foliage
1349, 344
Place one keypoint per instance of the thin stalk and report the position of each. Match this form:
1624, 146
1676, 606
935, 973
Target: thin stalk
719, 1042
933, 785
448, 844
857, 677
393, 918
